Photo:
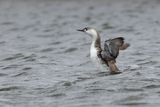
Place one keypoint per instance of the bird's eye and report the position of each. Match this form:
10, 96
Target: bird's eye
85, 29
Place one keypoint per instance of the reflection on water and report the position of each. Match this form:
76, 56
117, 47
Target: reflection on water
44, 61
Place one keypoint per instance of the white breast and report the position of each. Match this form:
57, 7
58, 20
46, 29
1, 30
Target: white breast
94, 57
96, 60
93, 53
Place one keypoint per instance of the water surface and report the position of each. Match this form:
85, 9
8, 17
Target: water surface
44, 61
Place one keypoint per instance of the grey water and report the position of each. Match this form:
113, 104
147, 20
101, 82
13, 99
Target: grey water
44, 61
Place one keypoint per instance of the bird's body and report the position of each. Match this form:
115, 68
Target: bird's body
95, 59
105, 57
95, 50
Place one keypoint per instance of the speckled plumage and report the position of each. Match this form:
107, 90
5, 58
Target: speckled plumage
108, 55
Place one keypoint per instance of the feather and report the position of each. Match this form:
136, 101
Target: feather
112, 47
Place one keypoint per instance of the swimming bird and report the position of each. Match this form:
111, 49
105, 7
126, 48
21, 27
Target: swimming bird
108, 55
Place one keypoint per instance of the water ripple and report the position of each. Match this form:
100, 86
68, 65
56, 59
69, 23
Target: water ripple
41, 65
15, 56
9, 88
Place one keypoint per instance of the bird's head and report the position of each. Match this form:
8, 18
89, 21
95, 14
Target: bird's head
90, 31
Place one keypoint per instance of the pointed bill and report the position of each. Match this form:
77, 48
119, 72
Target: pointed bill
81, 30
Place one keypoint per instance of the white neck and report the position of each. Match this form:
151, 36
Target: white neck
94, 35
95, 46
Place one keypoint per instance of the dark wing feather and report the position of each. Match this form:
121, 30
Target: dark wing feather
111, 48
118, 41
114, 45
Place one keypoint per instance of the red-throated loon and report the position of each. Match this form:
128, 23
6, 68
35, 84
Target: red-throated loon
108, 55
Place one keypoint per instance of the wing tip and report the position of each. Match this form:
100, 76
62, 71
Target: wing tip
124, 46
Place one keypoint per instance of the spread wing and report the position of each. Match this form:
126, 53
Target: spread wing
112, 47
